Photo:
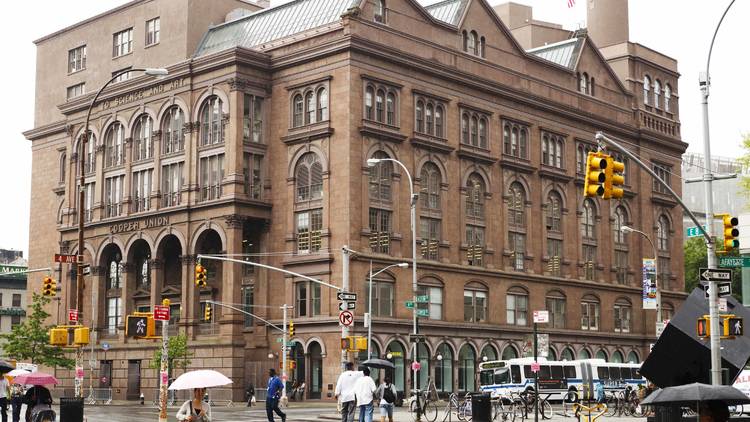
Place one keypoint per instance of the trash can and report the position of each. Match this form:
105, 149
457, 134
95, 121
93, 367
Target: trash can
71, 409
481, 407
667, 413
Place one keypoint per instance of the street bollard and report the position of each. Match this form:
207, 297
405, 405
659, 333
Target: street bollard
143, 399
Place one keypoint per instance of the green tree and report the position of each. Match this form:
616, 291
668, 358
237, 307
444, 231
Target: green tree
178, 354
696, 258
745, 161
29, 341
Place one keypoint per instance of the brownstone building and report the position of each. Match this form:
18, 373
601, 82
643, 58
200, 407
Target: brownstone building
256, 145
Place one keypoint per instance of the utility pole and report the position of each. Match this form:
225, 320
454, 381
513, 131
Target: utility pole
345, 251
284, 376
163, 372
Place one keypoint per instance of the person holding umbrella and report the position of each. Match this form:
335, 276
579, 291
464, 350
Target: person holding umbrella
195, 409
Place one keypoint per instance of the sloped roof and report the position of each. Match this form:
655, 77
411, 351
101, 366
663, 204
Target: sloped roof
272, 24
448, 11
564, 53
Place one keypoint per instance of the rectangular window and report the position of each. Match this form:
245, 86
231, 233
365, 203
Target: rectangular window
248, 301
113, 196
664, 272
253, 169
516, 306
152, 31
589, 262
15, 320
212, 173
380, 230
517, 242
113, 317
252, 119
308, 299
621, 265
16, 300
88, 195
122, 42
554, 253
77, 59
171, 184
435, 304
382, 298
123, 74
1, 299
663, 172
589, 316
76, 90
309, 230
475, 306
556, 308
430, 233
622, 318
475, 245
142, 190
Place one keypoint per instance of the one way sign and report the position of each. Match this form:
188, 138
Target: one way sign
725, 289
715, 274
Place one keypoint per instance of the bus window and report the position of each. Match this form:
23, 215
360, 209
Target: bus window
570, 371
627, 373
603, 372
515, 373
544, 373
557, 372
502, 376
485, 377
527, 372
614, 373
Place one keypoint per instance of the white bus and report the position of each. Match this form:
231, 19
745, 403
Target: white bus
556, 378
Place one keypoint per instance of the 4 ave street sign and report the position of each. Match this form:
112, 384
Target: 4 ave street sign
715, 274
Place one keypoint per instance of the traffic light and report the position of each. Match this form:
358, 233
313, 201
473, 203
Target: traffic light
347, 343
58, 337
614, 179
736, 326
731, 232
703, 328
81, 336
291, 328
49, 287
200, 275
207, 312
596, 165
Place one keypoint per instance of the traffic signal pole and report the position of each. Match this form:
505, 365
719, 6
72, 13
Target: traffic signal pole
283, 358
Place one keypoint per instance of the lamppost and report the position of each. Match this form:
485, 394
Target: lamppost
413, 203
628, 229
369, 303
81, 184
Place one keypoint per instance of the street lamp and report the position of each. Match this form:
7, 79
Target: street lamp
369, 303
628, 229
413, 203
157, 72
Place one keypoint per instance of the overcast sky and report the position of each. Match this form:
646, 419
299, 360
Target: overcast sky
681, 29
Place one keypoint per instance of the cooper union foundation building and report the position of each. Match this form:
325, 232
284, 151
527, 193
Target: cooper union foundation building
255, 147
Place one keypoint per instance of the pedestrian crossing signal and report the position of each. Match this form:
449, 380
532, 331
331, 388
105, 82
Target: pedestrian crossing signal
736, 327
703, 328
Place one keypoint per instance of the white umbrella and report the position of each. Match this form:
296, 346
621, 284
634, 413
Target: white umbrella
17, 372
202, 378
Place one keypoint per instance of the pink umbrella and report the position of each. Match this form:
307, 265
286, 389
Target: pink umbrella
35, 378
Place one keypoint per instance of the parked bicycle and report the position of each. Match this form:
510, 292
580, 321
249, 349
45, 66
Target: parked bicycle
424, 403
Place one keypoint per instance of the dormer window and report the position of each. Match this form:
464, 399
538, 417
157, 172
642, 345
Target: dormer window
472, 43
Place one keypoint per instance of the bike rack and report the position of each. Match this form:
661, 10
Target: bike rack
598, 406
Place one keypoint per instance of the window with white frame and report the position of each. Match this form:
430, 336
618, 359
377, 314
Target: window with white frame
77, 59
88, 198
252, 118
76, 90
142, 143
142, 190
253, 170
517, 306
474, 129
556, 304
475, 303
646, 89
114, 145
89, 155
173, 131
153, 29
172, 180
380, 103
517, 225
63, 167
383, 295
515, 140
113, 196
590, 311
211, 121
667, 98
212, 173
434, 304
552, 150
379, 15
622, 311
309, 226
657, 93
113, 318
122, 43
307, 298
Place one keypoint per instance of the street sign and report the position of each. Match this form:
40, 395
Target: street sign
423, 299
346, 318
86, 269
723, 304
725, 289
105, 346
409, 304
279, 339
161, 313
73, 315
346, 296
734, 262
417, 338
694, 231
423, 312
367, 320
715, 274
541, 317
66, 259
535, 367
347, 306
79, 372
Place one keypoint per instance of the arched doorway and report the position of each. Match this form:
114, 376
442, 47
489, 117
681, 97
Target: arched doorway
489, 353
395, 353
111, 262
466, 372
209, 243
362, 356
423, 357
510, 352
617, 357
444, 369
169, 278
567, 354
633, 357
169, 255
297, 354
601, 354
139, 285
316, 369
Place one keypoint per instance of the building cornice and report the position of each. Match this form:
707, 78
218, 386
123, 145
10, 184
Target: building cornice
46, 130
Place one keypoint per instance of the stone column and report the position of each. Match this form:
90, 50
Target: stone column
190, 191
96, 286
155, 195
232, 321
127, 182
189, 300
233, 141
157, 281
127, 287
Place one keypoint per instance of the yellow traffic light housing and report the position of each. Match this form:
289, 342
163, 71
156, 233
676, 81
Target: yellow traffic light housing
614, 179
360, 343
703, 327
58, 337
49, 287
207, 312
730, 232
81, 336
291, 328
200, 275
596, 165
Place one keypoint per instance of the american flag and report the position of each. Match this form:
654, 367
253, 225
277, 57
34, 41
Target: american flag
571, 3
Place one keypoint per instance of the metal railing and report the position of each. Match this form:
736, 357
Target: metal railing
99, 395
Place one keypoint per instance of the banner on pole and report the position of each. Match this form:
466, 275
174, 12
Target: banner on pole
649, 283
527, 347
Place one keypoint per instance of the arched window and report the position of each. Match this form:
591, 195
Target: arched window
63, 164
114, 140
430, 179
465, 40
379, 105
662, 234
308, 177
173, 131
633, 357
588, 218
212, 129
489, 353
601, 354
620, 221
309, 108
556, 304
617, 357
466, 360
646, 89
474, 131
90, 153
483, 133
420, 116
475, 190
439, 121
592, 84
554, 212
472, 44
590, 311
551, 354
588, 237
584, 354
298, 111
142, 144
423, 357
621, 246
369, 94
381, 175
667, 311
465, 128
510, 352
517, 306
396, 354
429, 119
523, 135
515, 137
380, 10
444, 369
390, 109
567, 354
517, 225
657, 93
667, 99
584, 83
322, 104
475, 197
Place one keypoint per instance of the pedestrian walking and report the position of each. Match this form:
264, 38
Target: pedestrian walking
344, 392
275, 388
16, 401
195, 409
363, 390
387, 394
4, 398
250, 394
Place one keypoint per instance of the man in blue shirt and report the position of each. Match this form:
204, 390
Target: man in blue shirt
275, 387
